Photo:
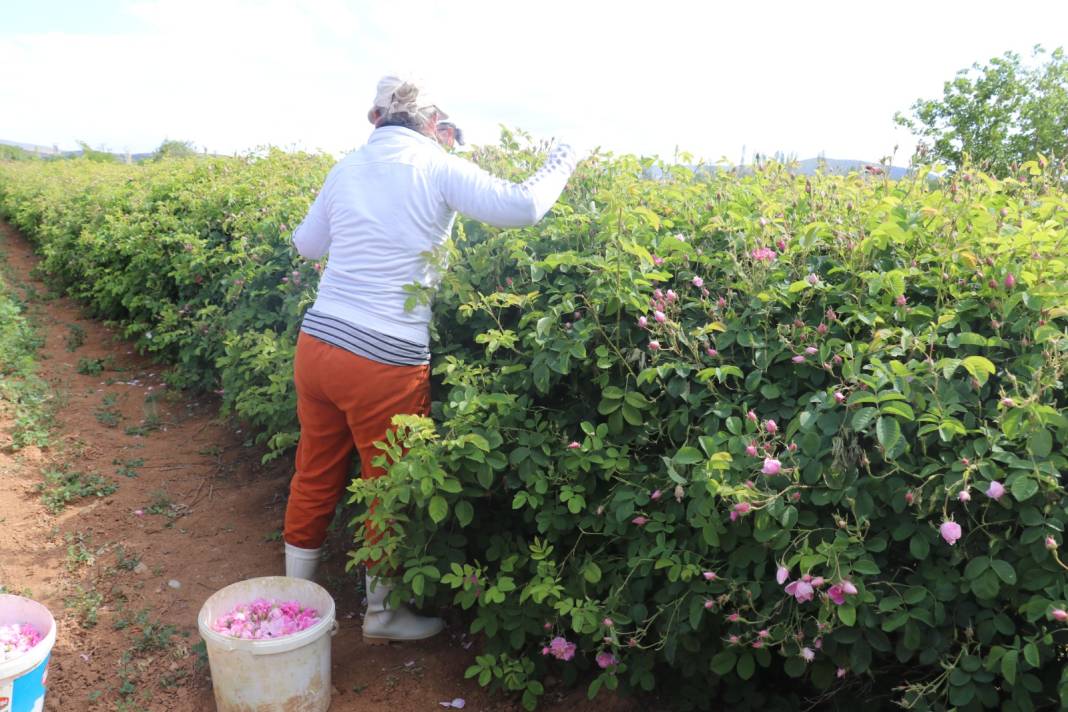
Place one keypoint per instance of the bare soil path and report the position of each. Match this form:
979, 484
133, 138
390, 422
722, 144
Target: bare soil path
193, 510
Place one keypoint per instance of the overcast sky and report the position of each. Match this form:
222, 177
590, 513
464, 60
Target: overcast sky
642, 77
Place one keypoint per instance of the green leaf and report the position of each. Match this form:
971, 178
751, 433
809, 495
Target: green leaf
746, 666
688, 455
1008, 666
439, 509
980, 367
1040, 444
1023, 488
888, 431
863, 417
464, 512
591, 572
1031, 655
723, 662
848, 615
1004, 571
919, 546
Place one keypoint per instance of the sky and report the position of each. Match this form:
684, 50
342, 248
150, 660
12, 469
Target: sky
719, 80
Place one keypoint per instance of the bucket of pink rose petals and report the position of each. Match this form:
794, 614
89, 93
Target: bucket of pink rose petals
268, 643
27, 633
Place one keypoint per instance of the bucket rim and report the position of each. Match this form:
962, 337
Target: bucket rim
18, 666
266, 647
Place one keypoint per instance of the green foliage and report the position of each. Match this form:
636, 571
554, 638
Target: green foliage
575, 483
174, 149
998, 115
24, 397
62, 487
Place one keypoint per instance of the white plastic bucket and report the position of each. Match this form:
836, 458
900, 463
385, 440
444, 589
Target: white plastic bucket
24, 680
288, 674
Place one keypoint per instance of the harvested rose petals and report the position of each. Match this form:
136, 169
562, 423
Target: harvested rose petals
266, 620
17, 639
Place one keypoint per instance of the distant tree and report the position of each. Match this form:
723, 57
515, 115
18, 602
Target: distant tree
91, 154
999, 114
174, 149
14, 153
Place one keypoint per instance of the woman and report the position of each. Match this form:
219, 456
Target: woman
361, 356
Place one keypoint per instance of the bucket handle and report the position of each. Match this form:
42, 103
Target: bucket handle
334, 628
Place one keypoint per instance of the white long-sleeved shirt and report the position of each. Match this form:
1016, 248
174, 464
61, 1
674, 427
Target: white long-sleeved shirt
387, 204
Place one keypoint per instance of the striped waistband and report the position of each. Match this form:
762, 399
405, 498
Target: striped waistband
374, 345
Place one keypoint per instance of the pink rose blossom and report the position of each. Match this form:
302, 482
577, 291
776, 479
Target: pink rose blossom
712, 353
1051, 543
816, 581
849, 588
909, 497
709, 604
901, 300
764, 634
654, 345
813, 279
734, 618
742, 508
561, 649
573, 445
781, 244
781, 574
964, 496
658, 260
264, 619
751, 415
763, 254
605, 660
698, 282
659, 316
771, 466
16, 639
710, 575
801, 590
798, 359
751, 449
1059, 614
841, 672
643, 322
950, 532
808, 654
656, 495
734, 640
608, 622
811, 350
1010, 281
836, 594
995, 491
771, 426
821, 329
671, 296
758, 644
839, 397
1008, 402
639, 521
721, 302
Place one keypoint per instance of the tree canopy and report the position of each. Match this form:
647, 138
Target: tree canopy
999, 114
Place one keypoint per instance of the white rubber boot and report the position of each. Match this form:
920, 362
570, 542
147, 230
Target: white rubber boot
382, 625
301, 563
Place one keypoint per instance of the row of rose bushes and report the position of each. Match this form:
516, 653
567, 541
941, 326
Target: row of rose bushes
763, 441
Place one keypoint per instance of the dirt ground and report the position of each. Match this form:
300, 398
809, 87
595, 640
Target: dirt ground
126, 574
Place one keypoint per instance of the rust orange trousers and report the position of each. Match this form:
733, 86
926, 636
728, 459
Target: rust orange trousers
345, 403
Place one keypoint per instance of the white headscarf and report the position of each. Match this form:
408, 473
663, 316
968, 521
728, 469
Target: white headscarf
396, 95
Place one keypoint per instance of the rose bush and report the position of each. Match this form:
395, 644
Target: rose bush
762, 441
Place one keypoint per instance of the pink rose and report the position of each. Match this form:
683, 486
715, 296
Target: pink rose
995, 491
771, 466
605, 660
950, 531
